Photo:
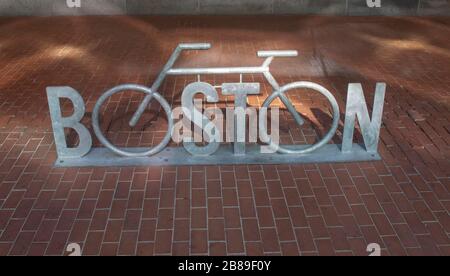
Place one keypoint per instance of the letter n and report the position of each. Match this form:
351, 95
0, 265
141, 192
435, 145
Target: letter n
59, 123
357, 109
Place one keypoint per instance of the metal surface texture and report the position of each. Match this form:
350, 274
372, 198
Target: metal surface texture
277, 54
199, 119
211, 152
240, 92
357, 109
73, 122
177, 156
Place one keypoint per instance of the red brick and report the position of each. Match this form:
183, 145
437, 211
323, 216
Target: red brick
270, 172
318, 227
163, 242
341, 205
352, 195
165, 219
212, 173
351, 227
251, 230
5, 248
109, 249
33, 221
93, 244
12, 230
79, 231
216, 229
67, 220
401, 202
86, 210
394, 246
22, 244
199, 242
113, 231
228, 180
304, 187
180, 249
372, 204
311, 206
383, 224
57, 245
199, 198
247, 207
305, 240
333, 186
325, 247
150, 208
118, 209
199, 218
36, 249
261, 197
427, 245
229, 197
218, 249
270, 240
289, 249
181, 230
198, 180
232, 218
330, 216
128, 243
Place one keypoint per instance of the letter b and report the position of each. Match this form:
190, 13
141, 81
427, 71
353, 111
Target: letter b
54, 94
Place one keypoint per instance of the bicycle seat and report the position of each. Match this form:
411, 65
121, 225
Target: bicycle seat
266, 54
194, 46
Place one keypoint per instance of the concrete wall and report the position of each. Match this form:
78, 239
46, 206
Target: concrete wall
111, 7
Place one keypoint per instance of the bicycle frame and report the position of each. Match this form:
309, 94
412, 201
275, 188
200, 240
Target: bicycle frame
318, 152
263, 69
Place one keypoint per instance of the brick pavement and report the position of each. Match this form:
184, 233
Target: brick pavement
402, 202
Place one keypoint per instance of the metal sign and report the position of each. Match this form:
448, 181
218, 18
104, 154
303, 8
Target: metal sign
212, 151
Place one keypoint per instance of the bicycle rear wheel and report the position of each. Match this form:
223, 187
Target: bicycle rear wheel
325, 139
130, 153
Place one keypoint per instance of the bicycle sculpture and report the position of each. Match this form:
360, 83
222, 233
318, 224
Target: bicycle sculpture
214, 152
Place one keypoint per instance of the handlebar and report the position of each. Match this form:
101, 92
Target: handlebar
266, 54
194, 46
201, 46
263, 54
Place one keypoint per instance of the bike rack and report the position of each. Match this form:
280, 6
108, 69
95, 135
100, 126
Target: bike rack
217, 154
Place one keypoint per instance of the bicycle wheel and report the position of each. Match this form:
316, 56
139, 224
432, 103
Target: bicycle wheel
328, 136
101, 137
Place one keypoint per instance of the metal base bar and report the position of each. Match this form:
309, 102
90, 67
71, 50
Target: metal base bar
178, 156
